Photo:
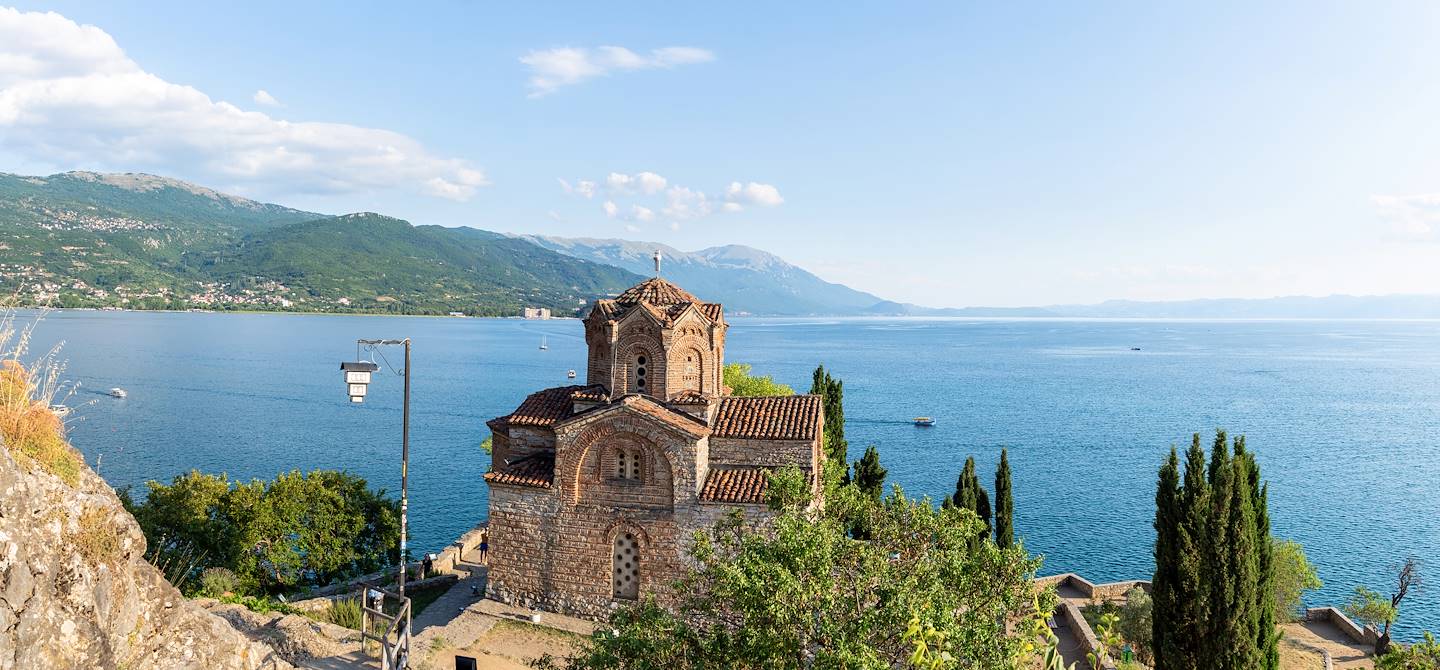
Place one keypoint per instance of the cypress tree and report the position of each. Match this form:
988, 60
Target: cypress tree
1004, 505
1191, 595
869, 475
1266, 637
965, 496
1218, 564
1164, 583
832, 393
982, 508
1241, 627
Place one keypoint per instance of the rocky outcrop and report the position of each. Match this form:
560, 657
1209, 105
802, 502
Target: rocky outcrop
298, 639
76, 591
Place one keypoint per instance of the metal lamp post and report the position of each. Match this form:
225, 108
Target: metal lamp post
357, 379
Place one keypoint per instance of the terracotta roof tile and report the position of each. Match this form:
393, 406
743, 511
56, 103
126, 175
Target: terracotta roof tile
545, 408
591, 394
736, 485
661, 298
655, 291
674, 417
690, 397
537, 471
794, 417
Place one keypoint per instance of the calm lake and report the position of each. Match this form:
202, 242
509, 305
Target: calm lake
1344, 415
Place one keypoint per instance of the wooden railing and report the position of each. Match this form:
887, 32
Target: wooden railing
390, 630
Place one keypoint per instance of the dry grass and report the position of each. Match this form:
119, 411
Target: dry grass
97, 539
29, 429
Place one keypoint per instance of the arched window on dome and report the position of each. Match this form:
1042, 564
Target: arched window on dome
693, 370
641, 374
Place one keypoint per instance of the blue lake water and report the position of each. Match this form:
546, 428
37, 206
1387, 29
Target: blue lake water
1345, 416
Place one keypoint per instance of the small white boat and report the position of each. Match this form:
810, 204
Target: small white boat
570, 374
924, 421
543, 346
60, 410
118, 392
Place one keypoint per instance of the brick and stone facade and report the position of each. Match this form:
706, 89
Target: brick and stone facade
595, 490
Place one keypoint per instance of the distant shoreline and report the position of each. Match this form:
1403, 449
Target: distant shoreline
877, 318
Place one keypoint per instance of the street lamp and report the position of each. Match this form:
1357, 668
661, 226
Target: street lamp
357, 380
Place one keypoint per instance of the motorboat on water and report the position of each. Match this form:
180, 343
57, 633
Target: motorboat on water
924, 421
118, 392
60, 410
570, 374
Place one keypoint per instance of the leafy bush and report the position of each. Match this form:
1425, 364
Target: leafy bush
1136, 622
217, 582
737, 376
346, 612
1423, 655
297, 530
1294, 575
262, 604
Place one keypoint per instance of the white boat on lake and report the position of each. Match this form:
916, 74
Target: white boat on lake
118, 392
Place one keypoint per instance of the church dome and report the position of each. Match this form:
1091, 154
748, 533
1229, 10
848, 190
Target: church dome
656, 291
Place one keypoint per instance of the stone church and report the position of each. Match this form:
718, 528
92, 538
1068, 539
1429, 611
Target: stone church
596, 490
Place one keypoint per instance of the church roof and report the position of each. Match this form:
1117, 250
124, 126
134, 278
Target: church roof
736, 485
793, 417
537, 471
662, 299
655, 291
546, 408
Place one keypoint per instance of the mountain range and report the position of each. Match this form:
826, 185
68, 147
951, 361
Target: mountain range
85, 239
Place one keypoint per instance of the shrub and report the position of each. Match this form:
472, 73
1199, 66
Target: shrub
217, 582
96, 539
346, 612
1136, 622
27, 425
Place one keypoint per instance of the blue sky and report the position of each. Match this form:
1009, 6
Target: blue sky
947, 154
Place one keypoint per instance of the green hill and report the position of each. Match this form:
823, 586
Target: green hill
378, 263
83, 239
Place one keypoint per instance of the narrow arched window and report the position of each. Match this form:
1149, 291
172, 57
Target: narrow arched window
626, 567
640, 373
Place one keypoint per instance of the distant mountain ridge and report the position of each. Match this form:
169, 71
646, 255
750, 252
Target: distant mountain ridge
746, 280
83, 239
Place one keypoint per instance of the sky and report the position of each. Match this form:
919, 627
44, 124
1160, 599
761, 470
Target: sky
946, 154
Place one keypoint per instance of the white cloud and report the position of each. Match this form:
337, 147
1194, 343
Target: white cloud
554, 215
583, 188
647, 183
763, 195
551, 69
660, 198
263, 97
70, 97
1412, 216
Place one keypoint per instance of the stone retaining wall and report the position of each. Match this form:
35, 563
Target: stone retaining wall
1366, 635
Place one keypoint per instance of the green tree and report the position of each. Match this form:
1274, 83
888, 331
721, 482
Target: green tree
805, 595
1004, 504
1137, 622
1294, 575
297, 530
869, 474
832, 391
1376, 610
742, 383
1168, 619
1214, 568
1423, 655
